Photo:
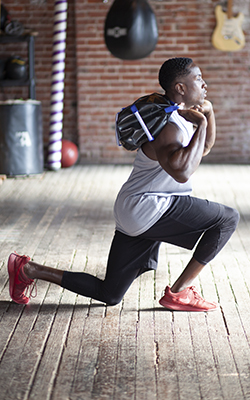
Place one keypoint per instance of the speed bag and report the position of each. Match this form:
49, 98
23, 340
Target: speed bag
131, 29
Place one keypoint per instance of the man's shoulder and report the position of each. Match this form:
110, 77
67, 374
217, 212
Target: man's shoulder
171, 129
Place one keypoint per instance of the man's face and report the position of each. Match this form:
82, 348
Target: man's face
194, 87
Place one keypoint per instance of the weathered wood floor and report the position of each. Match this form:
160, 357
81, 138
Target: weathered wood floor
62, 346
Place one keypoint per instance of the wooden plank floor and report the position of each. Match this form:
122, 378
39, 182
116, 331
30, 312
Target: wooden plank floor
63, 346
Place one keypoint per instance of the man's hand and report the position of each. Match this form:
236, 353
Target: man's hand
206, 108
194, 116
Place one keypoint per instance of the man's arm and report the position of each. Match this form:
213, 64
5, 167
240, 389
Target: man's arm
179, 161
207, 110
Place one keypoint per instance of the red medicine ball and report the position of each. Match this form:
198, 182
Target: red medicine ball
69, 154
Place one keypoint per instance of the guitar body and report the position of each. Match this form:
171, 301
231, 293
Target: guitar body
228, 34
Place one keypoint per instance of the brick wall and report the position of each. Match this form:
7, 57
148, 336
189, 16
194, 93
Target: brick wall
101, 84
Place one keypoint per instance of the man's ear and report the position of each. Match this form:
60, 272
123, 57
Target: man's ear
179, 87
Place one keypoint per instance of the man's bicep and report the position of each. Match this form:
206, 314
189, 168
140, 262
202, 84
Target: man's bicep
169, 140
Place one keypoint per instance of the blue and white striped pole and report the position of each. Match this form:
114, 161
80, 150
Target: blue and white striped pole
57, 85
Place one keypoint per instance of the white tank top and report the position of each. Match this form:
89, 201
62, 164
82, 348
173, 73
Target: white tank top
147, 193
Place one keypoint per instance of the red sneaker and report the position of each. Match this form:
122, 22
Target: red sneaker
186, 300
18, 282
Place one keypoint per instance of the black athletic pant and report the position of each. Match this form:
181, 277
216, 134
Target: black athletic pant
189, 220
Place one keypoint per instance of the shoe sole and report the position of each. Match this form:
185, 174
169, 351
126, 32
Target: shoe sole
172, 307
12, 275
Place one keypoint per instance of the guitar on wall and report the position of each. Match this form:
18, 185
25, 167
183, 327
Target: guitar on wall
228, 34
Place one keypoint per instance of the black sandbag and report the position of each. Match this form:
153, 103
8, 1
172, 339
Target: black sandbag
131, 29
153, 110
21, 138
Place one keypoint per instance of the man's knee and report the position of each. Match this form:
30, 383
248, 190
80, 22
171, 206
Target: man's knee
113, 301
232, 218
229, 220
111, 298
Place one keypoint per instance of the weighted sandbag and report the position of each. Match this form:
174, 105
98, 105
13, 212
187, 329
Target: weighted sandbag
143, 120
130, 29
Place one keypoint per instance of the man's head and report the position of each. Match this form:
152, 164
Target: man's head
172, 69
182, 81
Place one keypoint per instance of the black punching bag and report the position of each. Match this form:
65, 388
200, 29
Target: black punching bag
130, 29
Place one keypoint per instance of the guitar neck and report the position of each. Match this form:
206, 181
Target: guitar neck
229, 9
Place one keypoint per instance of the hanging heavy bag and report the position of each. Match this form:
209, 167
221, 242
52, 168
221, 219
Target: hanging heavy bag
130, 29
143, 120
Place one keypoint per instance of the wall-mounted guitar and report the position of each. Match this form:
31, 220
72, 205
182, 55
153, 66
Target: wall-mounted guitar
228, 34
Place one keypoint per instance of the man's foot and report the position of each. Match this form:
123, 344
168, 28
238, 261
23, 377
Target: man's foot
186, 300
18, 281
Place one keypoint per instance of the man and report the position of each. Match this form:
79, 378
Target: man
155, 205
